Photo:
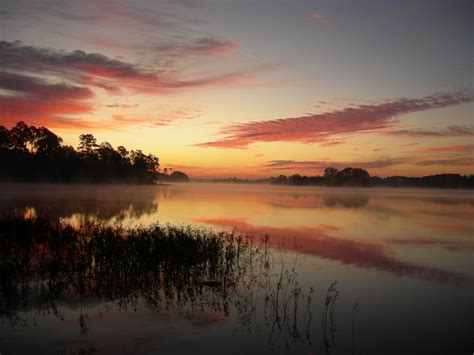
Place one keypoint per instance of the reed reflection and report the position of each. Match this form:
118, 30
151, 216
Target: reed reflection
45, 264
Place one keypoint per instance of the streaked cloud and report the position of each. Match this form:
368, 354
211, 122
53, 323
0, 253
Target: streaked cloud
166, 118
320, 165
349, 121
48, 82
22, 85
200, 46
448, 228
452, 148
457, 161
95, 69
119, 105
27, 97
450, 131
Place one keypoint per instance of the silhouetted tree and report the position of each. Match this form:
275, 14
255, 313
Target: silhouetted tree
29, 153
46, 142
330, 172
352, 177
4, 138
21, 135
296, 179
87, 144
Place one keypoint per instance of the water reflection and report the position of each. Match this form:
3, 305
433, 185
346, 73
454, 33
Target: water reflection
321, 241
348, 201
329, 317
360, 227
118, 203
404, 254
197, 273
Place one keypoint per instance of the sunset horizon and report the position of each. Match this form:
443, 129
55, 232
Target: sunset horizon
248, 98
236, 177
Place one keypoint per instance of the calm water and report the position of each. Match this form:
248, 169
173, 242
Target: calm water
402, 260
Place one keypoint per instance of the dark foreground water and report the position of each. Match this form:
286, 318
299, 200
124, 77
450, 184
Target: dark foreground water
348, 271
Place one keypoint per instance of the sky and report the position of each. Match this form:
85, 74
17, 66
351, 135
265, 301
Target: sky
249, 88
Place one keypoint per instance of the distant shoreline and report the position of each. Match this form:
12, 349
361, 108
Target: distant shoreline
360, 178
335, 187
203, 181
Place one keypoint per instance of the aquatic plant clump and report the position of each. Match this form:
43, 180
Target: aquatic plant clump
113, 262
45, 263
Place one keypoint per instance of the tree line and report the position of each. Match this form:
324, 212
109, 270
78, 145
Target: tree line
30, 153
357, 177
332, 177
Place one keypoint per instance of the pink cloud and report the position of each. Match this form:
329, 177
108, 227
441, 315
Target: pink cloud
453, 148
316, 15
450, 131
330, 143
36, 111
321, 127
35, 99
163, 119
98, 70
182, 113
318, 166
447, 228
119, 105
77, 72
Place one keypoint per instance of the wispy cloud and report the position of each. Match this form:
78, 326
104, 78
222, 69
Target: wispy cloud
330, 143
200, 46
324, 126
450, 131
119, 105
171, 50
451, 148
49, 82
115, 14
23, 85
25, 97
317, 166
457, 161
96, 69
158, 119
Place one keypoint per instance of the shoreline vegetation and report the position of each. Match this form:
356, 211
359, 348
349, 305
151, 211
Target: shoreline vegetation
35, 154
355, 177
46, 263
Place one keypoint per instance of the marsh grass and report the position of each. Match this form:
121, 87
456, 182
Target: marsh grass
45, 263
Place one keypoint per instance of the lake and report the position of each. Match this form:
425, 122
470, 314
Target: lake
364, 271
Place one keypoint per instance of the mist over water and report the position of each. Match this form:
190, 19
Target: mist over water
402, 259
